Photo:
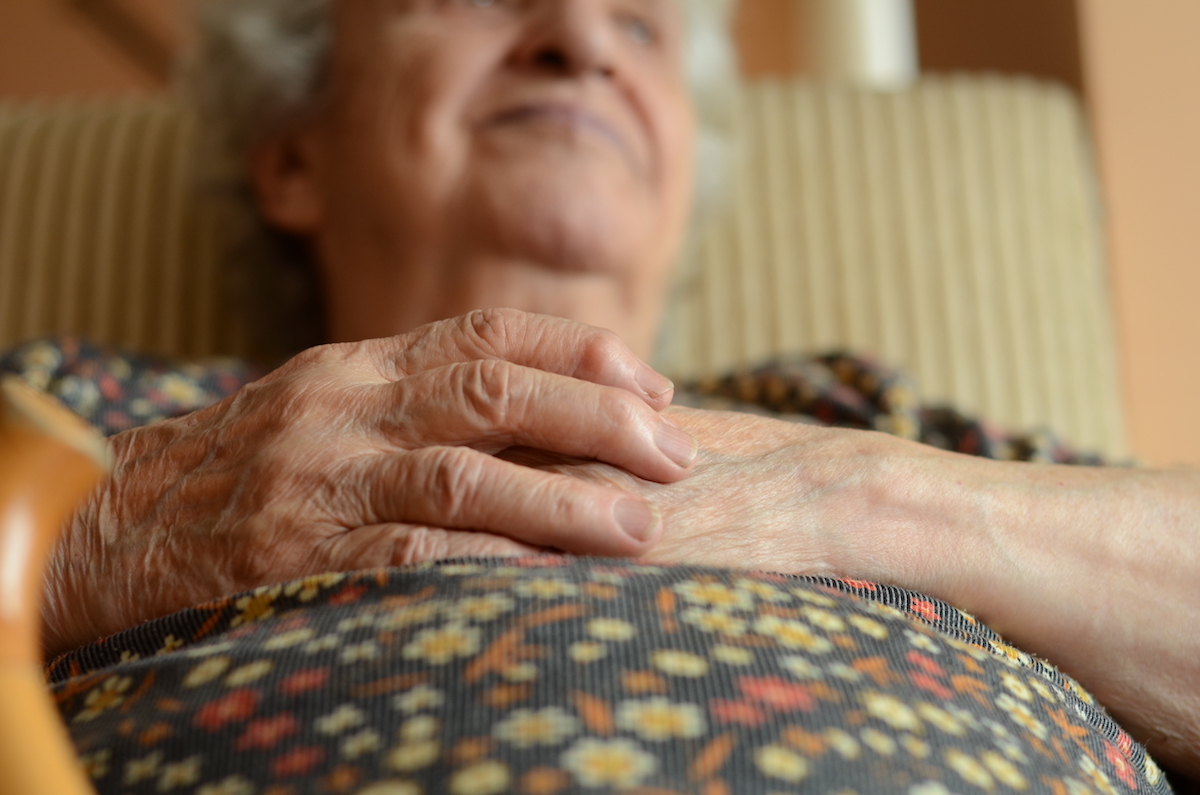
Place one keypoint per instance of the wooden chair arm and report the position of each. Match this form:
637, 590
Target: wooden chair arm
49, 460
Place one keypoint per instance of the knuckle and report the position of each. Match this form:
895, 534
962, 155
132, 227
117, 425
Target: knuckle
601, 350
486, 387
493, 330
448, 477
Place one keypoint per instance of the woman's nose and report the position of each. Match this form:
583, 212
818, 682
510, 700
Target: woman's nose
568, 38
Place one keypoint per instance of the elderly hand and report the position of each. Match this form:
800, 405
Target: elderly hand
370, 454
1081, 565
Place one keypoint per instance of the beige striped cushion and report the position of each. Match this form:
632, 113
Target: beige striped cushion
952, 229
101, 233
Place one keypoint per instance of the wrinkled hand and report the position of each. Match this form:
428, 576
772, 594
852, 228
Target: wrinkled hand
778, 496
370, 454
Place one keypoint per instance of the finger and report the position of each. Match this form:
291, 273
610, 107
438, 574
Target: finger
494, 404
379, 546
544, 343
462, 489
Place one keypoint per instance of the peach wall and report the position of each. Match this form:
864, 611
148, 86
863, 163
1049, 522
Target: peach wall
1143, 78
48, 49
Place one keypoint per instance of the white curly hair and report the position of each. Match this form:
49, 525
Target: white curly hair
258, 69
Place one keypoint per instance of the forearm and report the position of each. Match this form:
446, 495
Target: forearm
1097, 570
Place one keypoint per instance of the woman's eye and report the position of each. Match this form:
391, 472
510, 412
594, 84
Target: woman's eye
639, 30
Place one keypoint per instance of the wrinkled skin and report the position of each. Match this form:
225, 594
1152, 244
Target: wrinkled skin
1059, 559
370, 454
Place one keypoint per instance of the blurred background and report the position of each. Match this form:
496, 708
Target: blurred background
1134, 66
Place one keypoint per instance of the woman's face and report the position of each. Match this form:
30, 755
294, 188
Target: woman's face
552, 132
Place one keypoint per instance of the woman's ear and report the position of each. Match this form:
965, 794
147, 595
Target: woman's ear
284, 176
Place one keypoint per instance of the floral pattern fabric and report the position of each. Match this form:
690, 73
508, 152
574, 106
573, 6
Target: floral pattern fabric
552, 675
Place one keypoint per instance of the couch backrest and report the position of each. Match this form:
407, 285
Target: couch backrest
952, 229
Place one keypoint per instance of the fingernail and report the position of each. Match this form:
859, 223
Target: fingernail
638, 519
652, 382
677, 445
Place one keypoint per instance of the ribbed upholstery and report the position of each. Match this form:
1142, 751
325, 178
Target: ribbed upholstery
952, 229
101, 232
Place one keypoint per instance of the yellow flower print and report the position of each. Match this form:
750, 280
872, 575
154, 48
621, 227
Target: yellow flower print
877, 741
521, 672
657, 719
801, 667
256, 606
130, 656
170, 644
869, 627
891, 711
1153, 772
718, 621
843, 743
731, 655
970, 769
546, 588
410, 615
181, 390
917, 747
179, 774
251, 672
441, 646
211, 649
526, 728
587, 651
792, 634
941, 719
394, 787
846, 673
485, 778
814, 598
1098, 777
95, 765
206, 671
407, 757
611, 629
286, 640
679, 663
234, 785
775, 761
342, 719
1004, 770
422, 727
308, 588
461, 569
618, 763
1046, 691
110, 693
419, 699
138, 770
823, 619
929, 788
364, 742
359, 652
324, 643
920, 640
1013, 656
1078, 690
1016, 685
1022, 716
481, 608
357, 622
714, 594
763, 590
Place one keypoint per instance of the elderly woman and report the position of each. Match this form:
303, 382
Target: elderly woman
436, 159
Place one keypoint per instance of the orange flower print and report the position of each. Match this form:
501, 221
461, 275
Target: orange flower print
231, 708
265, 733
924, 609
297, 762
1120, 764
304, 681
777, 694
741, 713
